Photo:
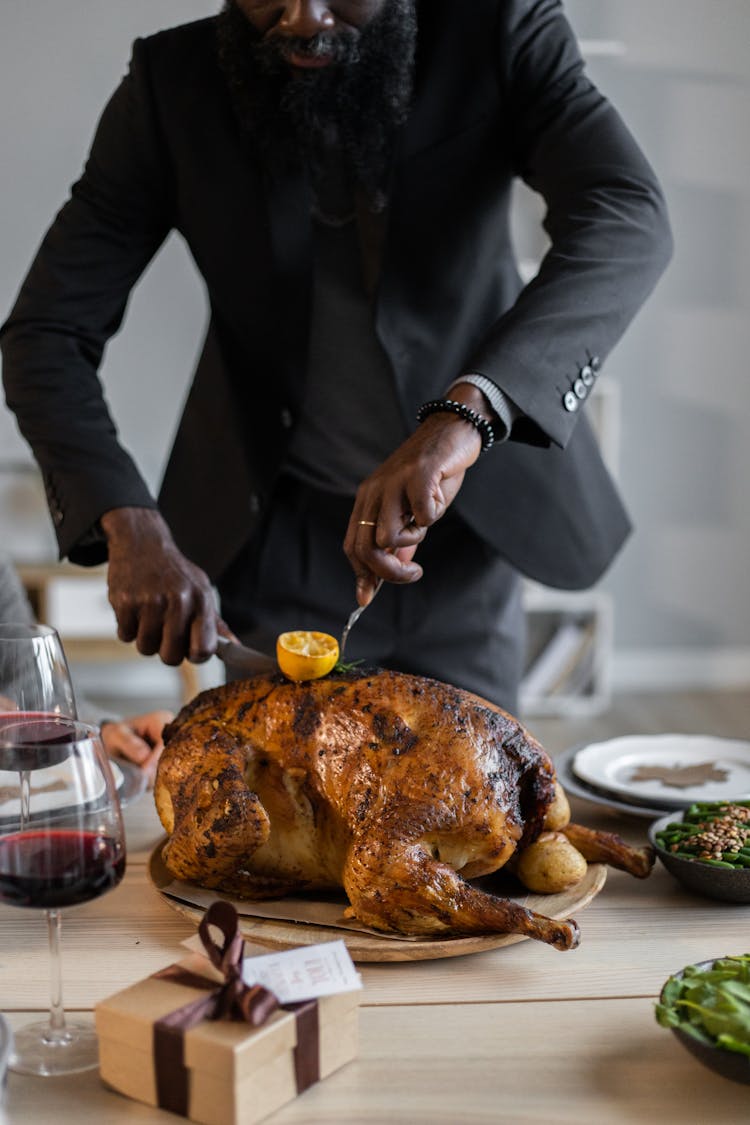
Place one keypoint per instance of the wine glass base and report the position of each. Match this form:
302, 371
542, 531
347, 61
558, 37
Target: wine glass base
41, 1051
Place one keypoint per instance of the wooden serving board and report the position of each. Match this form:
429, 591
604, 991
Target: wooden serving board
277, 934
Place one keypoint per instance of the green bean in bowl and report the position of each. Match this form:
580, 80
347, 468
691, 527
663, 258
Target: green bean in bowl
717, 833
707, 848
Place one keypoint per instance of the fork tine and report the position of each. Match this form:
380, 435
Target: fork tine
354, 616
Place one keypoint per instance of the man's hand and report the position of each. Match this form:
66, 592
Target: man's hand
408, 493
161, 600
138, 739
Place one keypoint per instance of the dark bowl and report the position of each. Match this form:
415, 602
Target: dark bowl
729, 1064
729, 885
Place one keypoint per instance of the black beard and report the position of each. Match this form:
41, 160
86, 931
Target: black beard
364, 95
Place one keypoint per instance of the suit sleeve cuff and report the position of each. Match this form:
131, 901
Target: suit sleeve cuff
505, 410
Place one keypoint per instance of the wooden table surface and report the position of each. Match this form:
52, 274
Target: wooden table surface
519, 1034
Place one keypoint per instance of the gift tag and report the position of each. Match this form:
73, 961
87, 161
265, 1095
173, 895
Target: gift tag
305, 973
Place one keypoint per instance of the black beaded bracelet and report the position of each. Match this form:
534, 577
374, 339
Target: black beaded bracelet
448, 406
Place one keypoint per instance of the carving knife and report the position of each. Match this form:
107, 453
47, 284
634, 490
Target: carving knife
242, 659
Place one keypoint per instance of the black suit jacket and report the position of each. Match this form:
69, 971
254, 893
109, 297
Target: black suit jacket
500, 93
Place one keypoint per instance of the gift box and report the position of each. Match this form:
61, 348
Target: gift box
196, 1040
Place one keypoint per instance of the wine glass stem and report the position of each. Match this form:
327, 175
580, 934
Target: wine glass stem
25, 787
56, 1011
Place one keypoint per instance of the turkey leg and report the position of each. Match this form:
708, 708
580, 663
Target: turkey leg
399, 887
607, 847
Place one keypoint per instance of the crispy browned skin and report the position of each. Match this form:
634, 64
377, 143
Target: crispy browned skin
395, 787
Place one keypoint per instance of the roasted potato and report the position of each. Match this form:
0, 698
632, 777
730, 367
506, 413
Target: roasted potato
558, 814
550, 865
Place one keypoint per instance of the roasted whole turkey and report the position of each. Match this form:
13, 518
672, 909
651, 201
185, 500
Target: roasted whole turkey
397, 788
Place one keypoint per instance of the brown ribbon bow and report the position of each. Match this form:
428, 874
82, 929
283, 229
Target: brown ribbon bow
234, 1000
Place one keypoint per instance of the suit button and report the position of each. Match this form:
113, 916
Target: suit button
57, 517
570, 402
595, 363
286, 418
587, 374
580, 389
254, 504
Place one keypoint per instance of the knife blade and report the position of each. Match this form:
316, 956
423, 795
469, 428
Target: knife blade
242, 659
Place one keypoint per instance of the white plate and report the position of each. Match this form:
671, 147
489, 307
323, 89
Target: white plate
55, 788
667, 770
584, 792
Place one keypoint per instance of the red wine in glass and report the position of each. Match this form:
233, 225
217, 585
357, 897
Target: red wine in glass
67, 852
48, 869
34, 681
32, 740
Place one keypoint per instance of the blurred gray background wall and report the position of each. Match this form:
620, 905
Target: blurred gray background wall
682, 586
679, 71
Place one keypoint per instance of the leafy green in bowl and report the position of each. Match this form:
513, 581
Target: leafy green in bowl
707, 1006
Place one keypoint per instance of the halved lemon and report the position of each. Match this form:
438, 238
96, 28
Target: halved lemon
305, 655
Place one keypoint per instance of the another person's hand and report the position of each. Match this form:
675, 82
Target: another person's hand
162, 601
138, 739
408, 493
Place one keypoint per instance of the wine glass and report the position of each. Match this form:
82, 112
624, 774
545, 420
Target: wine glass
69, 848
34, 674
34, 684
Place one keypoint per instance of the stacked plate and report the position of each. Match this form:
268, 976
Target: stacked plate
650, 775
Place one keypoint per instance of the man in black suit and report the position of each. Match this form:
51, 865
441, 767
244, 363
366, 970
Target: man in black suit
341, 171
